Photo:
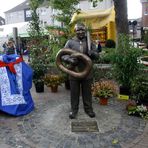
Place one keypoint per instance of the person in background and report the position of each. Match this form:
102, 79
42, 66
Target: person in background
4, 47
79, 44
99, 47
10, 48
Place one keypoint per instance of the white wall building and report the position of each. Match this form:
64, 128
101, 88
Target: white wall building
22, 14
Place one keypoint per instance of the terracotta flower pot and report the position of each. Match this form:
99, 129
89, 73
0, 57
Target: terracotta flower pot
103, 101
54, 88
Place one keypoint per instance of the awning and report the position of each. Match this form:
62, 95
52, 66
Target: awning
7, 30
23, 31
95, 18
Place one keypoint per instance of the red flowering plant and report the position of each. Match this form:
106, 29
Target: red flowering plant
104, 89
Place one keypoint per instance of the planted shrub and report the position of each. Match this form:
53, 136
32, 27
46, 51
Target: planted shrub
146, 39
107, 56
110, 43
140, 87
126, 66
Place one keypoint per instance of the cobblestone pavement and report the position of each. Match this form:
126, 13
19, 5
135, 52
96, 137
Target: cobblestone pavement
48, 125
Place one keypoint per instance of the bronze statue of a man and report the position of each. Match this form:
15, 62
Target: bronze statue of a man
79, 44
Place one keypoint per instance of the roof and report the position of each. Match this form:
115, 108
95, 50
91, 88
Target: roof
22, 6
25, 5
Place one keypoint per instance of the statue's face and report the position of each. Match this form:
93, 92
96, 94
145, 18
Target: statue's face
80, 32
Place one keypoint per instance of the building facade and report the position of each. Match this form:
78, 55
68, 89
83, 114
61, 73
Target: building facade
22, 12
144, 14
2, 21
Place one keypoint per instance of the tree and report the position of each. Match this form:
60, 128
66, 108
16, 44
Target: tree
34, 26
121, 16
38, 45
66, 8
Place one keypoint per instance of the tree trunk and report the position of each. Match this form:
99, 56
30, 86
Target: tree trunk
121, 16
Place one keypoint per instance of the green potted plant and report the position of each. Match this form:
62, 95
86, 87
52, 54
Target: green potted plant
125, 64
39, 69
107, 55
104, 89
38, 48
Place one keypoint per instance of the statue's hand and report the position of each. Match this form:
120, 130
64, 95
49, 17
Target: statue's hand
73, 61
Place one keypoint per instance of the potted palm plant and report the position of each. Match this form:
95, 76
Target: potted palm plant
104, 89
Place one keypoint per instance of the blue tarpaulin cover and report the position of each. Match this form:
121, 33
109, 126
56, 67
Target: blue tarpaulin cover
15, 85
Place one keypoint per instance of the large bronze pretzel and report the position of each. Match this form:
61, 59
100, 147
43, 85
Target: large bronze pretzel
84, 58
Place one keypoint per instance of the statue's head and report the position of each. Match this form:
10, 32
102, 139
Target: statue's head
80, 30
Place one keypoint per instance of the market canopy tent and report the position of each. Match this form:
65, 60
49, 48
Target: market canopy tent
98, 19
7, 30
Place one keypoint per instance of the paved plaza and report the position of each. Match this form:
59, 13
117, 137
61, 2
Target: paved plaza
48, 125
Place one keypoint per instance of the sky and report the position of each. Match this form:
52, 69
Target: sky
8, 4
134, 7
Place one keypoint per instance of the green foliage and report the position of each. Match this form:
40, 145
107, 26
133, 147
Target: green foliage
53, 52
125, 63
139, 110
66, 9
145, 52
34, 26
99, 73
58, 38
38, 45
107, 55
146, 38
110, 43
59, 35
39, 59
140, 87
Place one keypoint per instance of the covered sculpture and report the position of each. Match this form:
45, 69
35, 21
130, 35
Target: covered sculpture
15, 85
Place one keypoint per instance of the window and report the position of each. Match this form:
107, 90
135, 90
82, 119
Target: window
145, 9
28, 13
93, 4
43, 11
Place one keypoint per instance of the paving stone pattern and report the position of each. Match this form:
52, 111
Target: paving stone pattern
49, 126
